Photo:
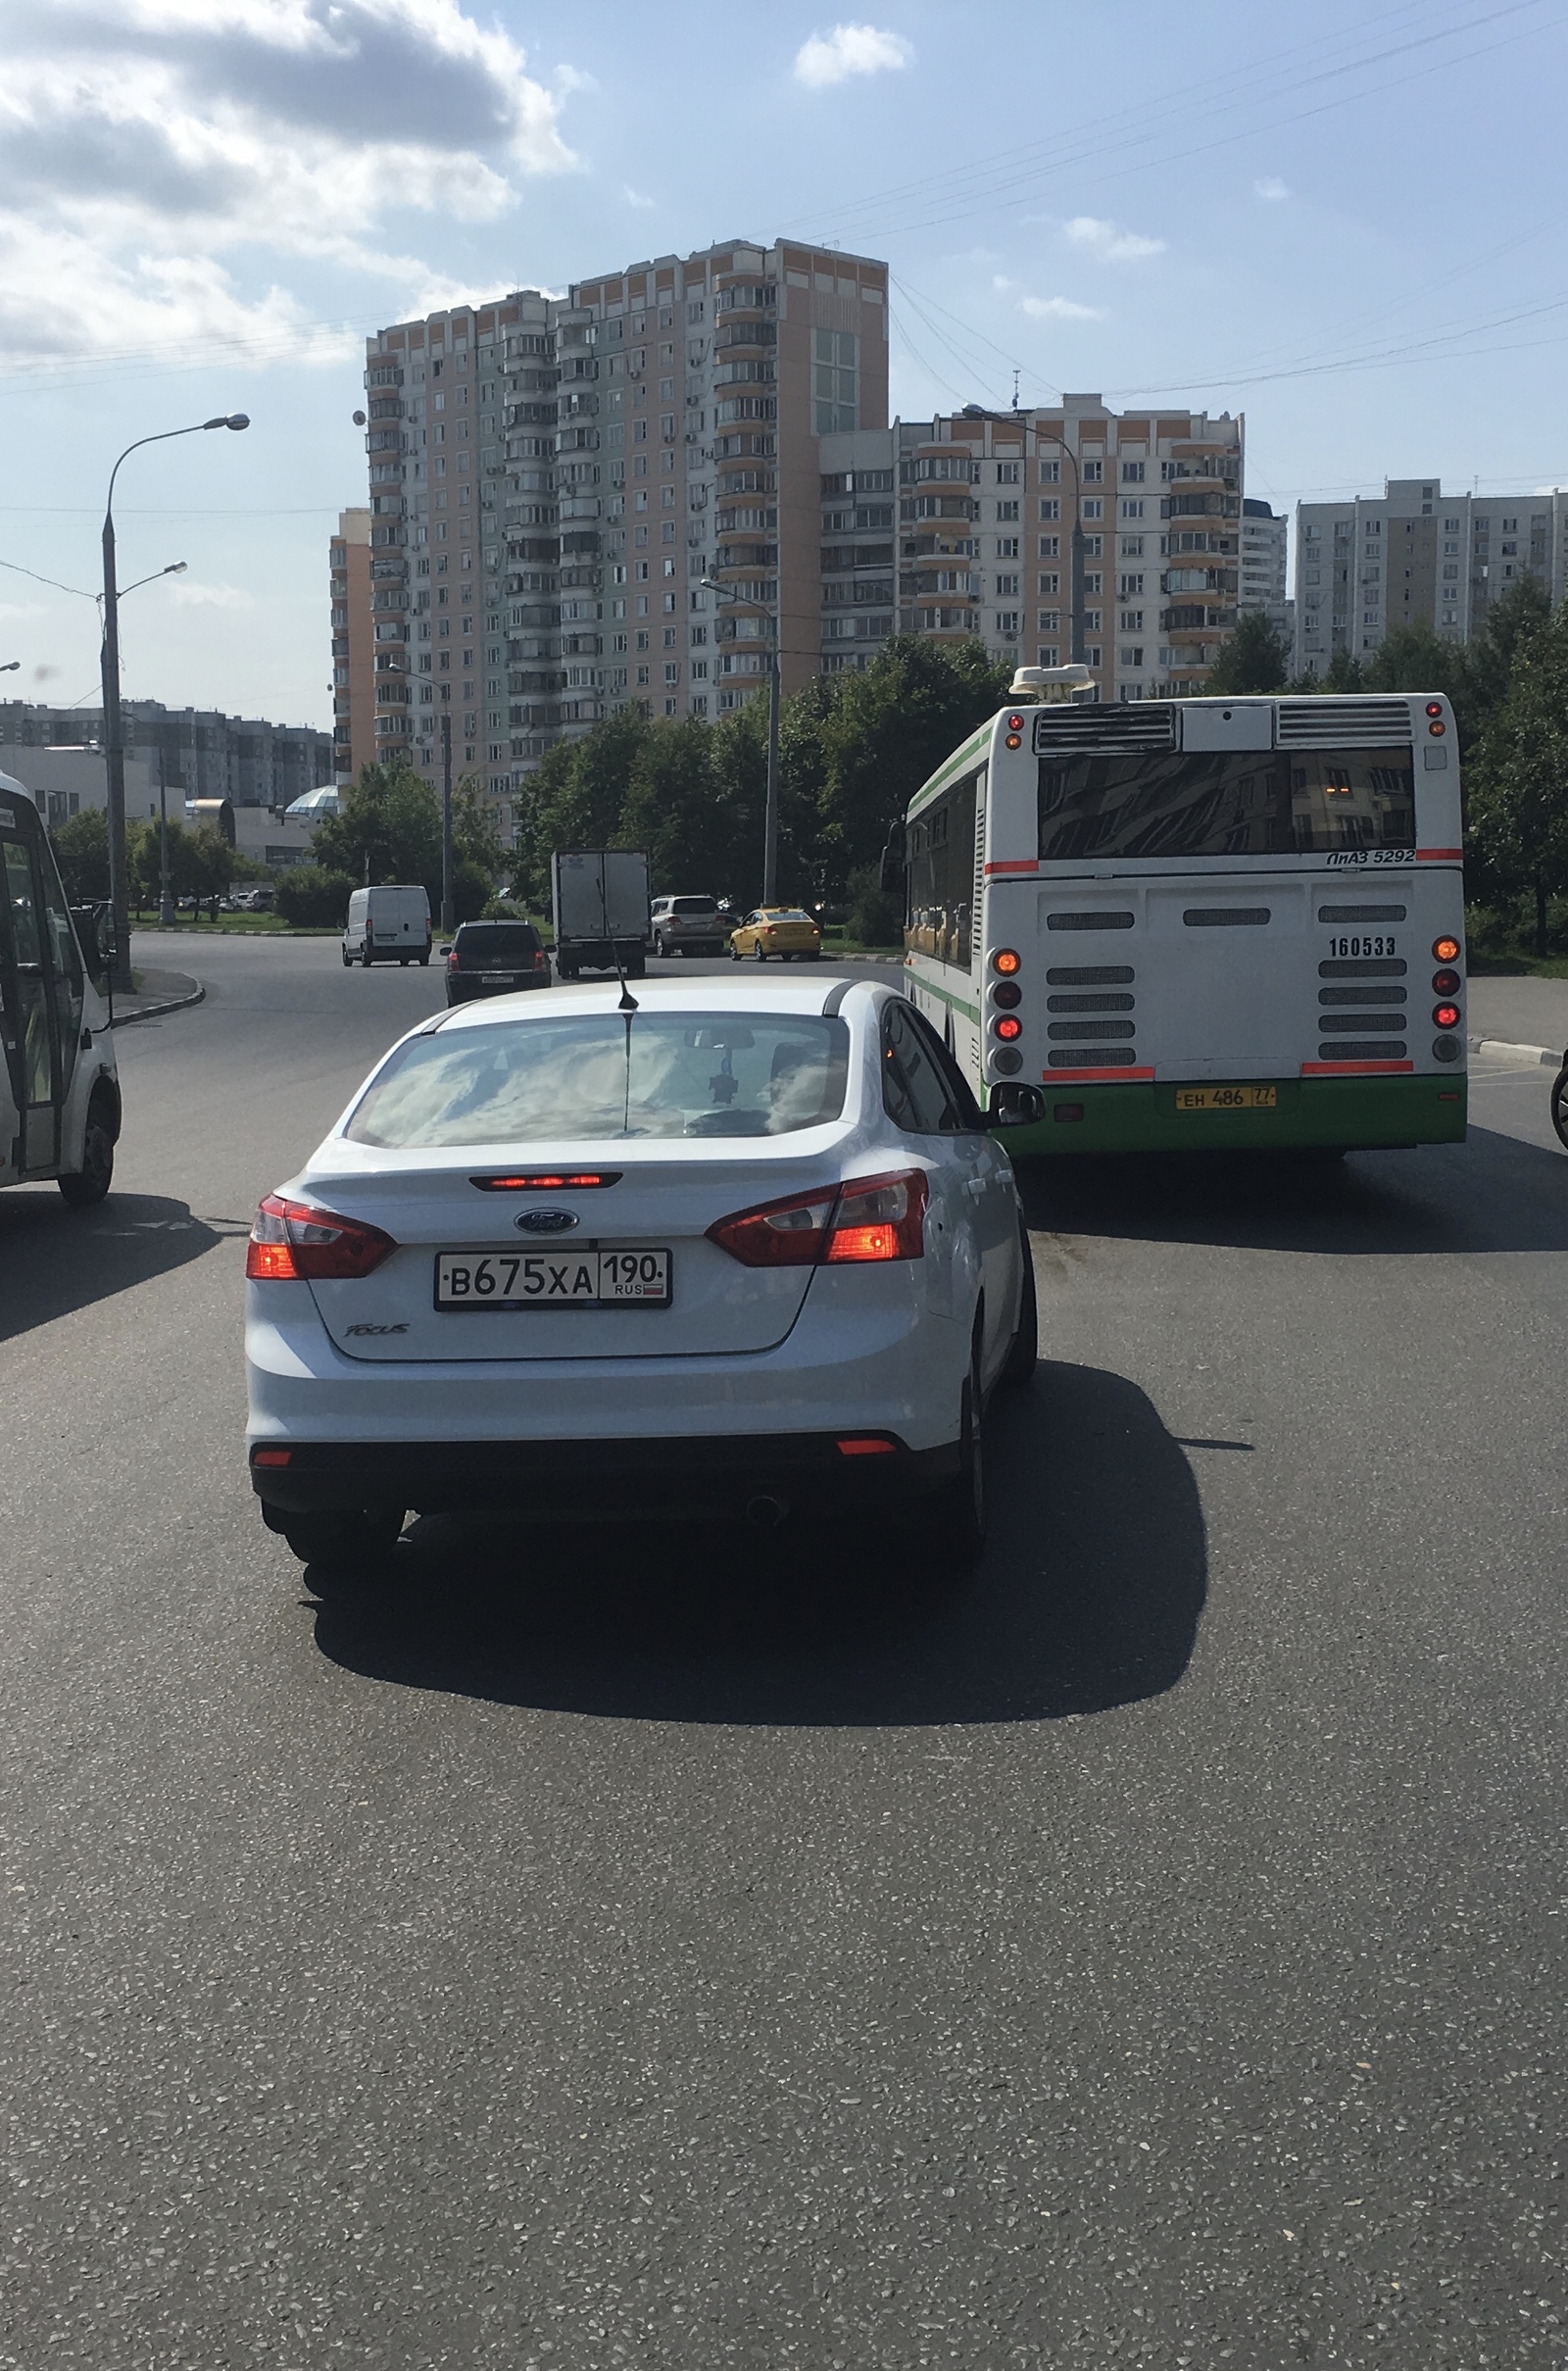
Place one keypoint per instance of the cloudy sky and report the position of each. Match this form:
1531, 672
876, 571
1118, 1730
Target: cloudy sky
1347, 224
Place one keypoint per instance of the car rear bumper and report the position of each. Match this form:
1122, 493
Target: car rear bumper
463, 989
607, 1480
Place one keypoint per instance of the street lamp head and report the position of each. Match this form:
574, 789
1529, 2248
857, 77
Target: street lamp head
176, 567
228, 420
10, 667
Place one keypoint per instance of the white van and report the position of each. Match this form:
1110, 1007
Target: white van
59, 1093
388, 924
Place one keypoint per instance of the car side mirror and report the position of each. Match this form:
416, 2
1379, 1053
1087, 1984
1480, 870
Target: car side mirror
1014, 1106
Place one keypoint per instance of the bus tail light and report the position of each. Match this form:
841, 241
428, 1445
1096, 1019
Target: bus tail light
1006, 995
1446, 983
1446, 950
1445, 1016
1007, 1027
293, 1240
1006, 961
870, 1218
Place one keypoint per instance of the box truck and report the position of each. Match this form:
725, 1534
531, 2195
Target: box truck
599, 900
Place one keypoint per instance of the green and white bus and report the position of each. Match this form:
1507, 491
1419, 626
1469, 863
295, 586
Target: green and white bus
1172, 924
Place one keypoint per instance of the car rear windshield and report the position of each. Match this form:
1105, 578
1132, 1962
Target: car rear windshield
497, 942
573, 1077
1226, 802
784, 913
701, 906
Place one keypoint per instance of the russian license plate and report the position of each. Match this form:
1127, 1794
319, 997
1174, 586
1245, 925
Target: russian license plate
497, 979
1226, 1099
555, 1279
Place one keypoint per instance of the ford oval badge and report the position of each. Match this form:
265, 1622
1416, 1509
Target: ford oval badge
546, 1222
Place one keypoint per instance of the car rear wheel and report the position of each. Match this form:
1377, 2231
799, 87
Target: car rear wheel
365, 957
349, 1545
758, 957
956, 1517
85, 1187
734, 952
1023, 1355
348, 959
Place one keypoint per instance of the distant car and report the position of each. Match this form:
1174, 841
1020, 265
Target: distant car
787, 931
254, 901
743, 1251
686, 925
495, 958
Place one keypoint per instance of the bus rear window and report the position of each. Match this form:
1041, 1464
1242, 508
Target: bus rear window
1225, 803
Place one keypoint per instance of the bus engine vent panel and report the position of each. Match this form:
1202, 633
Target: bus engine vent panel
1328, 724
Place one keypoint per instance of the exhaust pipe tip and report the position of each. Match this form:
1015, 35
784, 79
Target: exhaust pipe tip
765, 1513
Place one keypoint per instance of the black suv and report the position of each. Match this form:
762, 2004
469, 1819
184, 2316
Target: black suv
495, 958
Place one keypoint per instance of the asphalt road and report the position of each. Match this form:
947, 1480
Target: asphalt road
612, 1950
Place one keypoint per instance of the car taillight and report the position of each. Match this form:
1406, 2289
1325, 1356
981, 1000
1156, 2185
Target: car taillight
540, 958
869, 1218
452, 958
290, 1240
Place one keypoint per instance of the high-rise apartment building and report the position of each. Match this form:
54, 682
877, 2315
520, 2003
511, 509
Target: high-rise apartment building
1263, 564
1417, 557
352, 646
202, 753
552, 480
964, 525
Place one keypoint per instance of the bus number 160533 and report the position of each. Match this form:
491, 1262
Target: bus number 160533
1368, 946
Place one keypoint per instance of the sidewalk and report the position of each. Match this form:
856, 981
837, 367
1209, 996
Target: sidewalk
1520, 1012
158, 992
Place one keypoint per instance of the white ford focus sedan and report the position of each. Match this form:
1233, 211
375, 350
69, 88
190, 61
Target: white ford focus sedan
729, 1249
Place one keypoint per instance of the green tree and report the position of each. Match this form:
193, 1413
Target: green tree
387, 828
1255, 658
1518, 782
576, 798
311, 898
82, 851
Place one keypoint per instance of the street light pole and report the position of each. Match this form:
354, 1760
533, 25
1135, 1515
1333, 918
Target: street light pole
114, 746
448, 924
165, 893
722, 592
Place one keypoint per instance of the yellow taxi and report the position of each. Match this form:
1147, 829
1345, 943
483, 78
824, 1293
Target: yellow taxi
782, 930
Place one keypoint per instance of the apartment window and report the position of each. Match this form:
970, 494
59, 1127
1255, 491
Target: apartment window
1132, 510
1047, 654
1007, 509
1130, 584
1132, 547
642, 674
1094, 507
1007, 588
1451, 526
1132, 623
1092, 581
1049, 584
1050, 473
1132, 474
1009, 622
1007, 547
698, 637
672, 670
669, 567
669, 637
1008, 472
1374, 527
1050, 507
1094, 472
1050, 546
835, 381
1131, 656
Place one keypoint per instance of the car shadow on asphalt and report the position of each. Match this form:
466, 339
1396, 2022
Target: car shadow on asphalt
54, 1259
1493, 1193
1089, 1596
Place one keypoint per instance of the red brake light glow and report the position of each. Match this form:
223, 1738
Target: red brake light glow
870, 1218
1445, 1016
452, 958
547, 1181
1009, 1027
1434, 707
290, 1240
867, 1445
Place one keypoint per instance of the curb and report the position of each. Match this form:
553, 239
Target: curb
1501, 1049
152, 1012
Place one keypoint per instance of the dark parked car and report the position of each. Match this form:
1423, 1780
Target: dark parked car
495, 958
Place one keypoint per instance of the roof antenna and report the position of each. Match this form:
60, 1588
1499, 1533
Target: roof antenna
1015, 375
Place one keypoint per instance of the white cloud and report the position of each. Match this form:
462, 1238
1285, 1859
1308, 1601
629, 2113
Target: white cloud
850, 49
1105, 240
1271, 188
212, 596
634, 197
166, 156
1000, 283
1057, 308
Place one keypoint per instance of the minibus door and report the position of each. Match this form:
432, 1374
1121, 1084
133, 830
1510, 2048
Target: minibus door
31, 1034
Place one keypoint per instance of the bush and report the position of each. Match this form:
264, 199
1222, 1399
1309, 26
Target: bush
308, 897
876, 915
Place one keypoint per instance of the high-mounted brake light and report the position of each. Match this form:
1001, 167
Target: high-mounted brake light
546, 1181
870, 1218
291, 1239
1007, 961
1446, 950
